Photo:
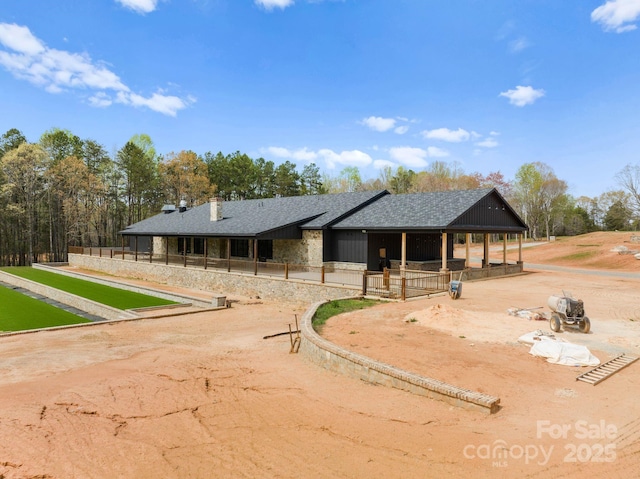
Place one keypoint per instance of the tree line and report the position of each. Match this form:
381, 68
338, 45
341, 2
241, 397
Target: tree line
66, 191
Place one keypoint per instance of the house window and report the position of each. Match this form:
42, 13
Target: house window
240, 248
265, 249
198, 245
184, 245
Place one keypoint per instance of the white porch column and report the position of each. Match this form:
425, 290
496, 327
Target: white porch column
444, 268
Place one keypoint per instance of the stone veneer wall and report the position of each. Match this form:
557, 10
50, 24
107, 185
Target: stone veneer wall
216, 248
216, 281
307, 251
159, 245
331, 266
337, 359
492, 271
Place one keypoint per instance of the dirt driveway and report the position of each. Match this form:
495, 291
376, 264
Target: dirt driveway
203, 395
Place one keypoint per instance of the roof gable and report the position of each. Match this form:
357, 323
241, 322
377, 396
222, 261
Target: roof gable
436, 211
491, 212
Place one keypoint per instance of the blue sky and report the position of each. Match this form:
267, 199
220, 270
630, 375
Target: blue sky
485, 85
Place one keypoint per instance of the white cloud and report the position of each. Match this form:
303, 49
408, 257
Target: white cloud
401, 130
347, 158
617, 15
57, 71
377, 123
100, 100
166, 104
302, 154
436, 152
139, 6
444, 134
279, 152
518, 45
523, 95
19, 39
488, 143
380, 164
271, 4
409, 156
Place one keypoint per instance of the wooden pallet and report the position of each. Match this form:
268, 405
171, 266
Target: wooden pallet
602, 372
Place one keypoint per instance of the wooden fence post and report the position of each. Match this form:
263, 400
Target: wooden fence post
364, 283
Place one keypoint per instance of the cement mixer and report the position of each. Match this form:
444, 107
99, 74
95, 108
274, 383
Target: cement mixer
566, 310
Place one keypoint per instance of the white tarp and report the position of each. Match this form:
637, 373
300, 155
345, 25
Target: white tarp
560, 352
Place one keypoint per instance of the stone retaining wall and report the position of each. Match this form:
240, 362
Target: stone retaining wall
335, 358
69, 299
218, 281
493, 271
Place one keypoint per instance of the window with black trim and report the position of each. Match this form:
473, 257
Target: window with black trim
184, 245
198, 245
265, 249
240, 248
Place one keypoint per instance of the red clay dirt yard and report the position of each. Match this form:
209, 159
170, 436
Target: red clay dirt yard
203, 395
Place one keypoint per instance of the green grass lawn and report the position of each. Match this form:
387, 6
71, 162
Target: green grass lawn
115, 297
333, 308
19, 312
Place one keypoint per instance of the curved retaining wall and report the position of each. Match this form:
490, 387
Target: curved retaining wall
335, 358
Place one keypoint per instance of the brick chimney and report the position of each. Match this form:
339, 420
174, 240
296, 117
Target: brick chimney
216, 209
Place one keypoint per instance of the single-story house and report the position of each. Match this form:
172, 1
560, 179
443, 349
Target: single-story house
362, 230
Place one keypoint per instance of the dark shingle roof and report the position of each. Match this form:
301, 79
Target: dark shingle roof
249, 218
414, 211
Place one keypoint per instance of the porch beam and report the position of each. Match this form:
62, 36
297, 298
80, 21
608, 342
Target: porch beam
206, 251
467, 241
485, 259
519, 248
255, 257
136, 247
403, 255
504, 248
444, 268
184, 252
